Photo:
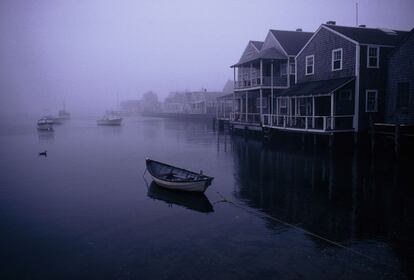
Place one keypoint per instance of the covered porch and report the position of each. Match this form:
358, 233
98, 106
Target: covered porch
320, 107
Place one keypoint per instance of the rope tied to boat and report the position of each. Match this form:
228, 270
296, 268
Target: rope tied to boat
265, 215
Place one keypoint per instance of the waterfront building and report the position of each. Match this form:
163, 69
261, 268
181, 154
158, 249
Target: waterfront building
264, 69
340, 81
327, 82
400, 84
201, 102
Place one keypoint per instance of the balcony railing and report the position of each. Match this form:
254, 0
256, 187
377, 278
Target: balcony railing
317, 123
253, 118
279, 81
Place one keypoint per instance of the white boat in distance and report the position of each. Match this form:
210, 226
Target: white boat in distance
176, 178
45, 124
109, 120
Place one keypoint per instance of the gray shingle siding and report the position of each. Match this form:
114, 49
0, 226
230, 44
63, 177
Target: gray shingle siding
321, 47
401, 69
375, 79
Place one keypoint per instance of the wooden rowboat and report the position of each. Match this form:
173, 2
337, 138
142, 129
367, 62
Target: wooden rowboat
176, 178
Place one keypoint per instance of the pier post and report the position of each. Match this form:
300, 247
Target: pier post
397, 139
214, 124
372, 134
331, 141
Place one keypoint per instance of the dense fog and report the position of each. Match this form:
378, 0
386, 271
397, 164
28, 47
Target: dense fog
93, 54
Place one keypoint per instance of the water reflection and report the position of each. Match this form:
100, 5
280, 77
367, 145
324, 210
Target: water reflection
350, 199
193, 201
46, 136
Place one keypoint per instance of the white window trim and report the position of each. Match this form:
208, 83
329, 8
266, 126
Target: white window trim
376, 100
306, 65
378, 56
341, 59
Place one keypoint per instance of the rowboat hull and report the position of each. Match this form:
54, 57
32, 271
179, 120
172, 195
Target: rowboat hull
174, 178
199, 186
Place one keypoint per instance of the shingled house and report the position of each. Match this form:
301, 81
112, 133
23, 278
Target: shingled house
400, 83
264, 69
340, 81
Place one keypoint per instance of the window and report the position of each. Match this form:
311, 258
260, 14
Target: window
283, 69
372, 57
336, 59
282, 106
264, 102
345, 95
403, 94
310, 63
371, 100
292, 68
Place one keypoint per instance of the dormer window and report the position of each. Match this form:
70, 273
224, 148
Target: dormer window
372, 57
310, 64
336, 59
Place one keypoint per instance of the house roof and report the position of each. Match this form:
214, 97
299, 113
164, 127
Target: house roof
228, 87
270, 53
316, 88
403, 41
291, 41
364, 35
258, 44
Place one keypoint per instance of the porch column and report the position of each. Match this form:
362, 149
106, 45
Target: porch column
261, 72
234, 86
261, 93
247, 104
313, 111
271, 88
251, 74
332, 111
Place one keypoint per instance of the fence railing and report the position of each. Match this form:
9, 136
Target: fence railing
322, 123
245, 117
265, 81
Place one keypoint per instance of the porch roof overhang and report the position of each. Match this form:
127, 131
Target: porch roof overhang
227, 96
266, 54
324, 87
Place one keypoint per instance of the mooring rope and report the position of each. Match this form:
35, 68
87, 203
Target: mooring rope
258, 213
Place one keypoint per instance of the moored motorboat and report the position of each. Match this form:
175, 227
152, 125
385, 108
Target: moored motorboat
109, 120
64, 115
54, 119
45, 124
176, 178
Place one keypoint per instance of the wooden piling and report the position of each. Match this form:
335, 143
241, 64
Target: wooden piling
397, 139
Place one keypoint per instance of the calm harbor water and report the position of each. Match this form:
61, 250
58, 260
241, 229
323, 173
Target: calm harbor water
272, 212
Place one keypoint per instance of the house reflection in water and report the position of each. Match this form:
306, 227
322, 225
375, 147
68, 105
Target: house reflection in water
351, 200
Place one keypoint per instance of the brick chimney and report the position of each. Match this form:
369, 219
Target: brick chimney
331, 22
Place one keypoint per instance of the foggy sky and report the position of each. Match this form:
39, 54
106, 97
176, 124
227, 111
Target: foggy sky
87, 52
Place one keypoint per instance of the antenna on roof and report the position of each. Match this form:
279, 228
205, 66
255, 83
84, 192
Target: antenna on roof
356, 14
